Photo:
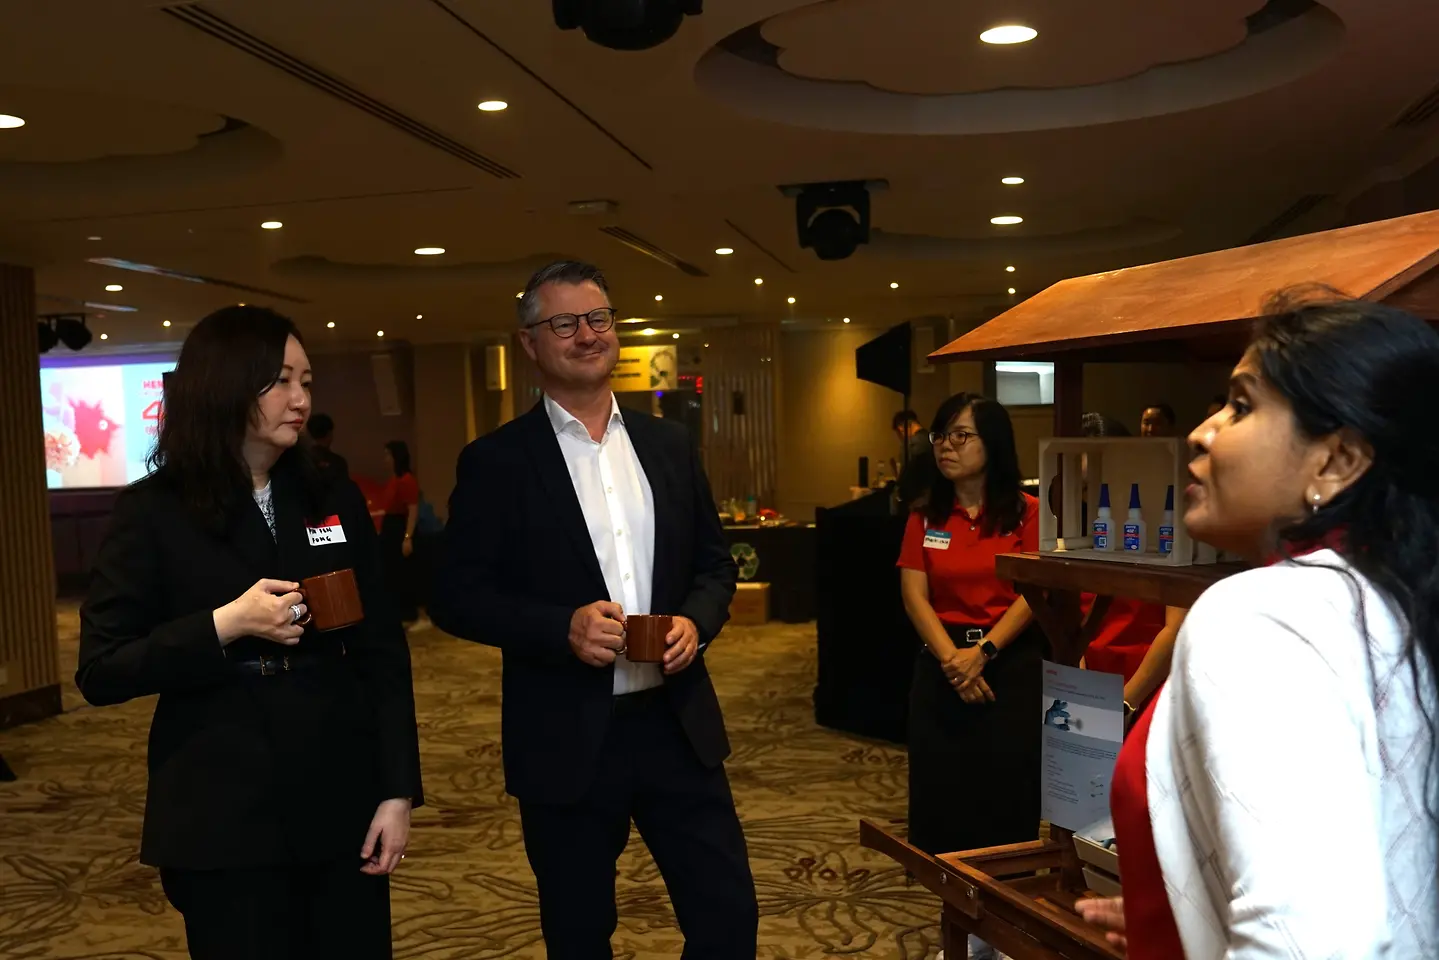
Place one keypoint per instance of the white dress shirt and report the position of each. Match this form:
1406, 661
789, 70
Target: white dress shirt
1286, 767
619, 509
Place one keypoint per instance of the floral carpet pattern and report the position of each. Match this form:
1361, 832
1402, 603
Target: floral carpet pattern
71, 887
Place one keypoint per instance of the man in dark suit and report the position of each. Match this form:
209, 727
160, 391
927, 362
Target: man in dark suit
322, 431
563, 522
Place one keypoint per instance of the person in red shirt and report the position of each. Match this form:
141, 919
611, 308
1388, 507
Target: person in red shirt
401, 501
974, 735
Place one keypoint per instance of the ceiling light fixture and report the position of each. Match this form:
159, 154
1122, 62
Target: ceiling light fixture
7, 122
846, 319
104, 336
379, 333
1011, 181
330, 325
165, 324
493, 106
648, 332
724, 251
94, 238
659, 297
1011, 290
419, 316
758, 281
113, 288
271, 225
894, 286
675, 335
791, 299
707, 346
1009, 33
1008, 269
429, 251
1006, 220
519, 295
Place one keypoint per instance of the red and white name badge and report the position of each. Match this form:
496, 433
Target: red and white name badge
326, 531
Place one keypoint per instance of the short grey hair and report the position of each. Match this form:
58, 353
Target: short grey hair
573, 272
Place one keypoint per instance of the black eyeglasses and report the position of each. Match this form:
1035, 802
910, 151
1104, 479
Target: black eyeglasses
566, 325
956, 438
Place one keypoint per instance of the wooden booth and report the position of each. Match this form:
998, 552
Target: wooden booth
1021, 897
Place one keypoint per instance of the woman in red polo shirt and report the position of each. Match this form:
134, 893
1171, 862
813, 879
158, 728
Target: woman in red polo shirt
974, 735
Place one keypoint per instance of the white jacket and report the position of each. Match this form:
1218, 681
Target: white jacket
1286, 774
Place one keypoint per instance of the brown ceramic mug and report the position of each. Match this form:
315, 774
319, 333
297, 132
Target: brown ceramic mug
645, 637
333, 600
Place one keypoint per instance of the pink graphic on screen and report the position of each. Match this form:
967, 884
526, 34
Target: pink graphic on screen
100, 421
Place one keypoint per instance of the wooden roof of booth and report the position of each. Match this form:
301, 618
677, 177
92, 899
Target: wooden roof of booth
1201, 307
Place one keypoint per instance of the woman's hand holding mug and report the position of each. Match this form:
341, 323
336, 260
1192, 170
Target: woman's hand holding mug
272, 609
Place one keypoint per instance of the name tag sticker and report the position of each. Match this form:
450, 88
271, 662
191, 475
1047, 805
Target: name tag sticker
326, 531
936, 539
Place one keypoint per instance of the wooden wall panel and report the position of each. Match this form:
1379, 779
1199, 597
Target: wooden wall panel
27, 576
741, 449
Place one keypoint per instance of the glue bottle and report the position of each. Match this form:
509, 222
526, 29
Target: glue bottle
1134, 539
1103, 522
1166, 525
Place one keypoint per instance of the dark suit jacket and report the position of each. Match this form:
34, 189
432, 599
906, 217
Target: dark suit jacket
248, 770
517, 564
335, 467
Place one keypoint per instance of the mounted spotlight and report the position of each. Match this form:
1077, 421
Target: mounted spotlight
48, 337
832, 218
625, 24
73, 332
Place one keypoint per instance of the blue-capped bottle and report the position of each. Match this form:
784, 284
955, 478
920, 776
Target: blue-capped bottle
1166, 525
1103, 527
1134, 538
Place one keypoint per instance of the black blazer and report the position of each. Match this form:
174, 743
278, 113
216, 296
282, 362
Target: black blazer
517, 564
248, 770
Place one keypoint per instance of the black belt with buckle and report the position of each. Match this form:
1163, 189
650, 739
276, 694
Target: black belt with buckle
264, 666
965, 636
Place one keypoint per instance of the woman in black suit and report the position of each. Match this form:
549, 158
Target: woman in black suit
284, 762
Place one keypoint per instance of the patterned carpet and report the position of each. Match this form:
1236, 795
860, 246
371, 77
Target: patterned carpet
70, 885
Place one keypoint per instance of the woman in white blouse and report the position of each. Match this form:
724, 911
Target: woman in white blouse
1288, 769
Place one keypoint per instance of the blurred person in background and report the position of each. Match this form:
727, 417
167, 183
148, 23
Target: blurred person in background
283, 762
1157, 420
401, 503
322, 431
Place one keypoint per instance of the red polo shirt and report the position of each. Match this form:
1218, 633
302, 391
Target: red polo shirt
1125, 635
959, 561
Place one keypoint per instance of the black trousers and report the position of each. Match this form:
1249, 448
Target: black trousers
399, 571
684, 812
283, 913
974, 776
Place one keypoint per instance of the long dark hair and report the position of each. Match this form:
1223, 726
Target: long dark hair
228, 361
400, 453
1373, 370
1003, 500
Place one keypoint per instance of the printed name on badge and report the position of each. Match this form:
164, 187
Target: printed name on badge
326, 531
936, 539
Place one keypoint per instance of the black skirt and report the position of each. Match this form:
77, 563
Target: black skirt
974, 768
399, 571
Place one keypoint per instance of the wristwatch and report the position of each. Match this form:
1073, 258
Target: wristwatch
989, 650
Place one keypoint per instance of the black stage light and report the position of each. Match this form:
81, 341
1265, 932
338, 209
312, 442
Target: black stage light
73, 332
48, 337
833, 218
625, 24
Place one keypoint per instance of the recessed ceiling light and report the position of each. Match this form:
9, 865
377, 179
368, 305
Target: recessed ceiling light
493, 106
724, 251
1011, 181
1006, 220
648, 332
519, 295
94, 238
7, 122
330, 325
758, 280
894, 286
379, 333
165, 324
791, 299
706, 346
659, 296
429, 251
846, 319
419, 316
1011, 290
271, 225
1008, 269
1009, 33
104, 336
113, 288
675, 335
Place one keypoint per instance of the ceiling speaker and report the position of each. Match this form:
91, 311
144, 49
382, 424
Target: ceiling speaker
625, 24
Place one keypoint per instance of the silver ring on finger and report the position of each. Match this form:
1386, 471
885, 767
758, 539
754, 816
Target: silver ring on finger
622, 649
295, 613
